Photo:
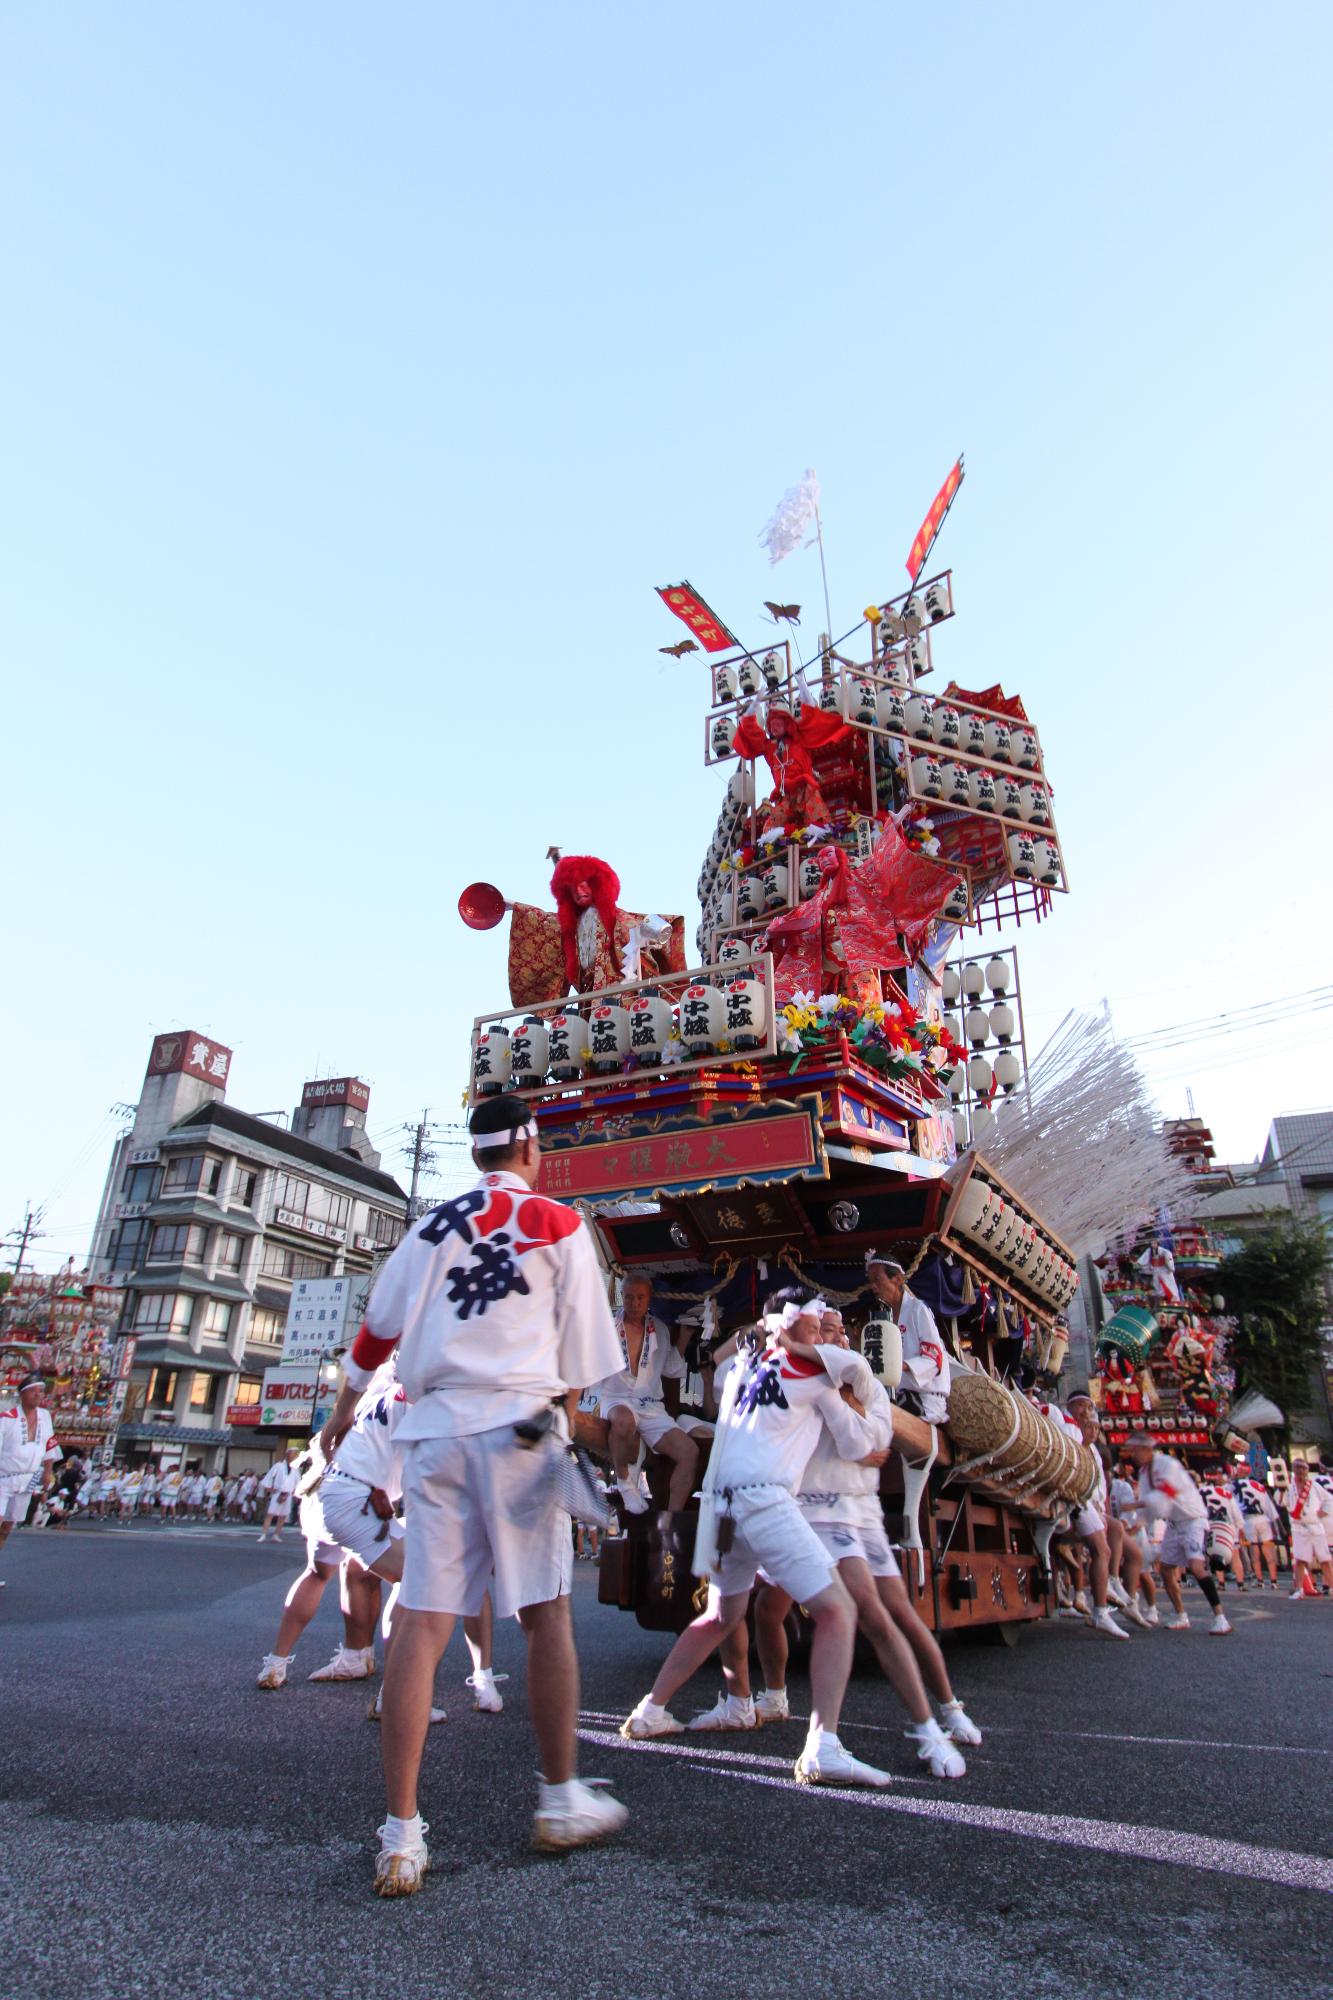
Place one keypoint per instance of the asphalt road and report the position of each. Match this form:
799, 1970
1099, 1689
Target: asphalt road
1142, 1819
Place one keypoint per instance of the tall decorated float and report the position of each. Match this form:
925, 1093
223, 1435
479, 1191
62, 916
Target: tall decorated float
772, 1104
64, 1325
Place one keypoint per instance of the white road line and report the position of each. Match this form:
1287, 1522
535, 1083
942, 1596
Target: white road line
1137, 1843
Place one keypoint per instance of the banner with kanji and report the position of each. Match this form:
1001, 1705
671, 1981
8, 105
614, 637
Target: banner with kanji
704, 624
934, 521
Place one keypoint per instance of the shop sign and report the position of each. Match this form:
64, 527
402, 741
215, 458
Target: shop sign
287, 1397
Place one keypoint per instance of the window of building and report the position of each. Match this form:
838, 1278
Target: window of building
280, 1262
310, 1200
130, 1248
243, 1184
140, 1183
192, 1173
177, 1243
248, 1391
203, 1392
231, 1253
163, 1312
161, 1391
267, 1326
217, 1317
385, 1228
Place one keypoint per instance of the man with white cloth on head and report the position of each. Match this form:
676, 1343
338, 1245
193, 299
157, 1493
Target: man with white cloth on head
498, 1309
925, 1359
633, 1402
28, 1452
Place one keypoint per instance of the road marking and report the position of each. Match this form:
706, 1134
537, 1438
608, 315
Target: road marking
1137, 1843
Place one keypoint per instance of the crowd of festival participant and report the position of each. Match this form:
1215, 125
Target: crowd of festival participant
443, 1472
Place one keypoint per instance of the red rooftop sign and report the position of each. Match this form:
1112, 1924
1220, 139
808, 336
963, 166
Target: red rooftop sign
338, 1090
185, 1053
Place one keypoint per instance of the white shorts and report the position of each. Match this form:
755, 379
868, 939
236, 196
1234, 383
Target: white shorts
475, 1505
651, 1418
855, 1538
1183, 1543
1089, 1521
773, 1535
1258, 1528
279, 1508
1309, 1544
347, 1522
14, 1506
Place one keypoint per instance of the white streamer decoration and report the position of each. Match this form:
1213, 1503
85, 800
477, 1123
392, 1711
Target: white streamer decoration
796, 512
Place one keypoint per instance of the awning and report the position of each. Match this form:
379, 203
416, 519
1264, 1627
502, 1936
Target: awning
164, 1354
171, 1434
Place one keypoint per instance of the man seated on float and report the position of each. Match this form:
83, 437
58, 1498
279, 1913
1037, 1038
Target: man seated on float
634, 1405
840, 1499
925, 1359
776, 1402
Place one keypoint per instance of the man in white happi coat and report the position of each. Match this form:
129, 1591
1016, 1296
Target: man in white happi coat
28, 1452
634, 1404
925, 1358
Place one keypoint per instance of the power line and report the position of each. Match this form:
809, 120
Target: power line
1236, 1020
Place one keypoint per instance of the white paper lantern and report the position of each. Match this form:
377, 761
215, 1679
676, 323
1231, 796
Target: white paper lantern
733, 951
974, 1205
1022, 856
937, 602
956, 906
830, 696
568, 1046
649, 1027
772, 669
1027, 801
893, 668
998, 974
749, 679
859, 699
891, 710
974, 979
950, 984
740, 788
980, 1076
1046, 861
608, 1037
973, 735
724, 685
960, 1130
1024, 749
749, 898
927, 777
724, 735
491, 1062
811, 878
1041, 806
774, 880
1002, 1023
882, 1347
981, 790
977, 1026
999, 744
953, 1027
956, 787
946, 725
919, 712
913, 614
1008, 795
746, 1025
529, 1053
983, 1124
1008, 1071
918, 657
891, 628
703, 1015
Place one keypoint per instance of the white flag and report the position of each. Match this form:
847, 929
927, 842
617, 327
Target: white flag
796, 511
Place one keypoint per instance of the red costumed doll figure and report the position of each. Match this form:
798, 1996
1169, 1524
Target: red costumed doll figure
588, 941
785, 746
587, 905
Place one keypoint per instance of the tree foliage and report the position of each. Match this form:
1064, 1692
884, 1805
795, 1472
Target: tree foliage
1274, 1287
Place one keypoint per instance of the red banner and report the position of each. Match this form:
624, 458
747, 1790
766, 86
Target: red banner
704, 624
933, 522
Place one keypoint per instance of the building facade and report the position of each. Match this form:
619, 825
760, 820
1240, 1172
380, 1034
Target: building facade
210, 1216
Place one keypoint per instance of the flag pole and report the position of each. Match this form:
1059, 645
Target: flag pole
819, 537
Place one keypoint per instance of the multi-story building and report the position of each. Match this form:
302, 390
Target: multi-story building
208, 1217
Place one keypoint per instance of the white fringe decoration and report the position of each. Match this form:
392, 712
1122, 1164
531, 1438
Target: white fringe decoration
796, 511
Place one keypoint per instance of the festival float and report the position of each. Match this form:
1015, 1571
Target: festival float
773, 1110
64, 1326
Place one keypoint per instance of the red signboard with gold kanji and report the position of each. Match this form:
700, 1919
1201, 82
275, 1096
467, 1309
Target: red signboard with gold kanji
934, 521
670, 1155
704, 624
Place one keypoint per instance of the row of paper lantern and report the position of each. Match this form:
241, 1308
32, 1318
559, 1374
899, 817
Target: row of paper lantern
752, 677
1006, 1071
761, 892
998, 1229
970, 785
638, 1030
1035, 858
929, 720
984, 1124
972, 979
736, 802
979, 1026
922, 608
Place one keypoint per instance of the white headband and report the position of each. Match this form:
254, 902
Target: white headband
792, 1312
483, 1142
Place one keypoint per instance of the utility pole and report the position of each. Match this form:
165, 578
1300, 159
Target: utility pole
420, 1152
30, 1233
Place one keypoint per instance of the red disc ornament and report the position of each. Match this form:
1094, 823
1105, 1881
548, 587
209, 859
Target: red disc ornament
481, 906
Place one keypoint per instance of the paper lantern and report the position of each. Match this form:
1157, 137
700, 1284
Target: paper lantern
749, 899
724, 685
491, 1062
1002, 1023
981, 791
859, 700
927, 777
1039, 810
980, 1076
974, 1205
1008, 1071
891, 627
919, 712
918, 657
937, 602
974, 979
772, 669
830, 696
1027, 801
958, 1082
733, 951
946, 725
724, 735
1022, 856
983, 1124
529, 1052
1008, 795
956, 905
703, 1016
913, 614
973, 736
893, 668
999, 742
810, 878
956, 786
1046, 861
568, 1046
749, 678
1024, 749
998, 974
950, 985
882, 1348
740, 788
977, 1024
649, 1027
608, 1037
891, 710
746, 1025
960, 1130
774, 880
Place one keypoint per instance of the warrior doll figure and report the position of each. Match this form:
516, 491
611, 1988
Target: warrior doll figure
785, 746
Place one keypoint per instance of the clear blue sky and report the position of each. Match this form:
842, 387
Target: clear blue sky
367, 368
